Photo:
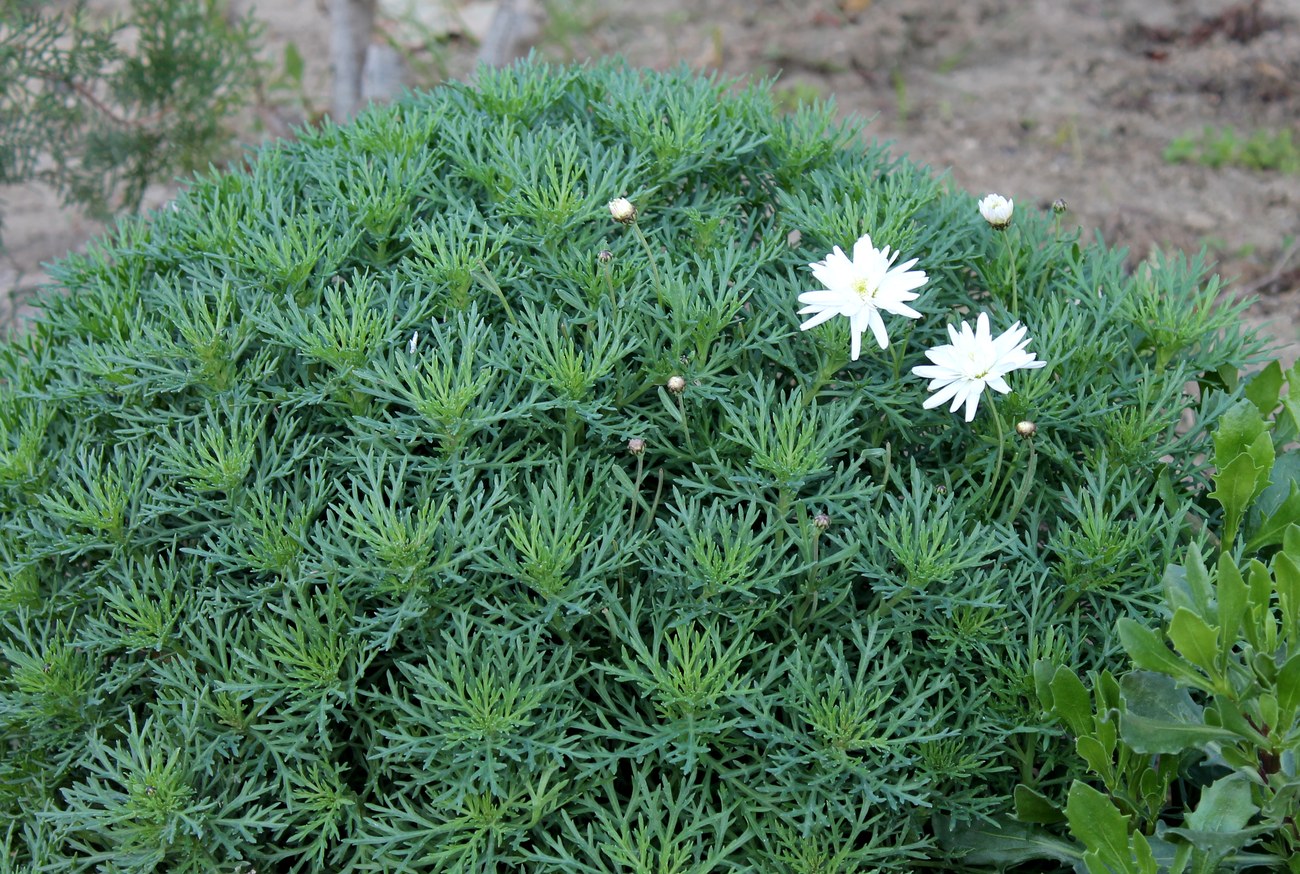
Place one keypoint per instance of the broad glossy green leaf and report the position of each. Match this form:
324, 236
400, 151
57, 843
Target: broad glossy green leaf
1230, 592
1098, 825
1288, 688
1188, 585
1263, 454
1003, 844
1286, 578
1234, 487
1043, 672
1195, 640
1239, 427
1143, 858
1291, 541
1161, 717
1147, 649
1259, 584
1224, 806
1033, 806
1265, 388
1217, 826
1099, 758
1269, 530
1071, 701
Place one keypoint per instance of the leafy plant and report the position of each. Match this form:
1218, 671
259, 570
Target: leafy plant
386, 505
1196, 746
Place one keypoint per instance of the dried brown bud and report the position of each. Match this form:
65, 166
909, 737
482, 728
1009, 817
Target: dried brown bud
636, 446
1026, 429
676, 384
822, 521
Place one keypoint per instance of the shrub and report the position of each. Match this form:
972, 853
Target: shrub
387, 506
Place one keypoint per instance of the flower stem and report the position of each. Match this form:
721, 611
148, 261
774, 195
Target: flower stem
654, 267
997, 464
636, 492
654, 505
490, 281
609, 279
686, 428
1026, 480
1011, 268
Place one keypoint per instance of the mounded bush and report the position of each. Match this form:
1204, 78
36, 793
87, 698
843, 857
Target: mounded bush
350, 522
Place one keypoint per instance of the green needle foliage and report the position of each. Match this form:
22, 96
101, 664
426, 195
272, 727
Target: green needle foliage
385, 506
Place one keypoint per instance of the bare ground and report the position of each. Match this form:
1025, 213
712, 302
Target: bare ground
1033, 99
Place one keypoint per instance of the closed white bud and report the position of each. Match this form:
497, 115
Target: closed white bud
676, 384
622, 210
997, 210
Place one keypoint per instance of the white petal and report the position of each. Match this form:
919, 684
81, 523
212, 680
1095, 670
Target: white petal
930, 371
944, 393
998, 384
824, 297
899, 309
820, 318
877, 325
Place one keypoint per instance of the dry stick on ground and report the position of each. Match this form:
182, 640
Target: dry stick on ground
516, 26
1280, 269
351, 22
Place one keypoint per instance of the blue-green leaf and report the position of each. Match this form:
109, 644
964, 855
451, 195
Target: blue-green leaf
1161, 717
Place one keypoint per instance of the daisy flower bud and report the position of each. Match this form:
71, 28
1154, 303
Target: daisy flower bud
604, 256
676, 384
997, 210
822, 521
1026, 429
622, 210
1059, 205
636, 445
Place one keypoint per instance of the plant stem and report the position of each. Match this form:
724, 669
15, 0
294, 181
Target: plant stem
654, 505
654, 267
1011, 267
636, 492
997, 464
1027, 480
686, 428
490, 281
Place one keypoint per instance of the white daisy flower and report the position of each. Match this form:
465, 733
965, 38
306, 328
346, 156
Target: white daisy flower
997, 210
860, 288
960, 371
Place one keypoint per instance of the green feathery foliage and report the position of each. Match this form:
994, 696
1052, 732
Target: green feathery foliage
386, 506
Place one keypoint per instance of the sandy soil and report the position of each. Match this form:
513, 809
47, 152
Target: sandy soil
1034, 99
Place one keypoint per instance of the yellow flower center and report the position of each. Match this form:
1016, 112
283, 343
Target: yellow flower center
865, 290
